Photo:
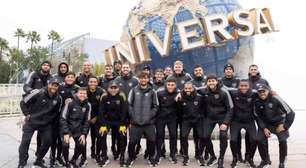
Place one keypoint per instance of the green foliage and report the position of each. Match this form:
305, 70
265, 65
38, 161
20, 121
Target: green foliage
5, 72
4, 45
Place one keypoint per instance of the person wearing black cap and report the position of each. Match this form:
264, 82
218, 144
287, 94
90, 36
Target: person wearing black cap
166, 116
63, 69
107, 77
66, 91
143, 106
243, 118
117, 68
274, 116
191, 105
229, 80
74, 123
112, 116
82, 79
219, 110
37, 80
94, 93
40, 108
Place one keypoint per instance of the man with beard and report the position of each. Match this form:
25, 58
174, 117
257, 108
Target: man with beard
243, 118
63, 69
219, 110
107, 77
112, 116
40, 108
166, 116
199, 81
126, 81
37, 80
75, 124
274, 116
143, 106
117, 68
158, 80
191, 105
82, 79
94, 93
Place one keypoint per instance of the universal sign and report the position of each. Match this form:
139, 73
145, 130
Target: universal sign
245, 23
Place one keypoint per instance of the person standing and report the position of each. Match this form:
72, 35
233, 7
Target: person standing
117, 68
143, 106
94, 93
40, 108
255, 77
191, 105
112, 116
219, 110
158, 80
82, 79
74, 124
243, 118
167, 116
274, 116
62, 70
107, 77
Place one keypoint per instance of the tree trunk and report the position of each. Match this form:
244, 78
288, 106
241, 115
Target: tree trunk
18, 37
1, 54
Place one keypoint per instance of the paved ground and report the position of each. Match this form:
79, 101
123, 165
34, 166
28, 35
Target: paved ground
10, 134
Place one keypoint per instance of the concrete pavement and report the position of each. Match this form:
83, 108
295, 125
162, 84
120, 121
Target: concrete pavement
10, 135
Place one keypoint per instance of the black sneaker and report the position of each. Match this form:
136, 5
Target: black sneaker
201, 161
240, 159
173, 159
20, 166
39, 163
121, 161
52, 162
220, 163
263, 164
281, 165
138, 149
68, 165
73, 164
157, 159
185, 161
104, 162
234, 162
152, 162
129, 162
60, 161
251, 163
83, 163
212, 161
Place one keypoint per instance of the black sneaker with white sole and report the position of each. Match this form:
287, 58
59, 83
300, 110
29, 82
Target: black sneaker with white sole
83, 163
201, 161
152, 162
185, 161
212, 161
39, 163
173, 159
234, 162
263, 164
129, 162
220, 163
104, 161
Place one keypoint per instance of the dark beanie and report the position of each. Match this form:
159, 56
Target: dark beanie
229, 66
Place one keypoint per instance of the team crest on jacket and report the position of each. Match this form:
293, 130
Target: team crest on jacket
74, 109
97, 97
38, 80
43, 101
130, 84
249, 100
182, 81
217, 96
137, 93
81, 82
108, 102
62, 92
237, 98
165, 98
54, 102
196, 103
270, 105
120, 84
184, 104
83, 109
147, 94
234, 85
117, 102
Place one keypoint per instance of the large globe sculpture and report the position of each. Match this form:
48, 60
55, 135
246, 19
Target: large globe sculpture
154, 15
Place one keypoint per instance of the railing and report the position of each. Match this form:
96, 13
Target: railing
10, 96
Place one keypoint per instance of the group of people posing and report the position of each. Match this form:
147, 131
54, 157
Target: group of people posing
66, 107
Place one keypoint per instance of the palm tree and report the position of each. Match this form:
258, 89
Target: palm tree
33, 37
3, 46
19, 34
54, 37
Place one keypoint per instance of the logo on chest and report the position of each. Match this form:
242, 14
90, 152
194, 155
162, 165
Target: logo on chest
83, 109
234, 85
196, 103
54, 102
270, 105
217, 96
249, 100
117, 102
130, 84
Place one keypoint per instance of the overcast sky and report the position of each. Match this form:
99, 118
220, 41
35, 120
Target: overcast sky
279, 55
